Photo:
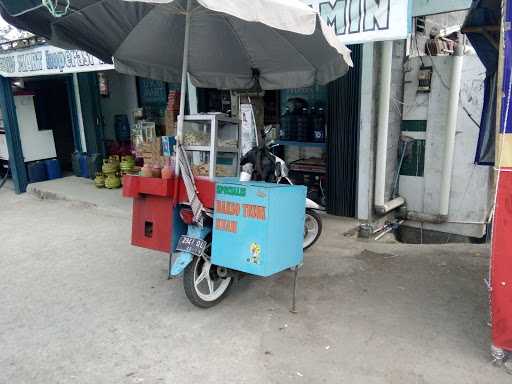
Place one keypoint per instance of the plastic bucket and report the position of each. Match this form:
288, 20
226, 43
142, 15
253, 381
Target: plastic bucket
84, 166
36, 172
53, 169
75, 162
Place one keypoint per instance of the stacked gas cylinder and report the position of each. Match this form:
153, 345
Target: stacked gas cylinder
109, 176
113, 170
127, 165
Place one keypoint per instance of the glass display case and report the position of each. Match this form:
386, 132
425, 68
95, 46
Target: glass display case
216, 137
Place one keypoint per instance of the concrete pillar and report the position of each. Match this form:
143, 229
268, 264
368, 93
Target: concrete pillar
366, 137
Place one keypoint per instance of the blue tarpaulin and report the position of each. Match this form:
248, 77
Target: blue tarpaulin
506, 117
486, 13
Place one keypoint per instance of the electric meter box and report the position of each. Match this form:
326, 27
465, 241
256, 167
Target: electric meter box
258, 227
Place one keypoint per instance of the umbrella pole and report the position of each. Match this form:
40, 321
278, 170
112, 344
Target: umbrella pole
183, 92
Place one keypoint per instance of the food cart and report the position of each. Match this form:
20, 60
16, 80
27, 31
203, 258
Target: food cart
251, 228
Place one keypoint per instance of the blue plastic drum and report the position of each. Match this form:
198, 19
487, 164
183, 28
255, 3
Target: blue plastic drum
84, 166
53, 169
36, 172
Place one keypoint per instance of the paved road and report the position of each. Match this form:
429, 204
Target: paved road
78, 304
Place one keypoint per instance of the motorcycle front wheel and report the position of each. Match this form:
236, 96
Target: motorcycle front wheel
312, 228
206, 284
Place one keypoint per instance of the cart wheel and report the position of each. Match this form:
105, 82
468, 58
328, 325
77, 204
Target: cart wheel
312, 228
206, 284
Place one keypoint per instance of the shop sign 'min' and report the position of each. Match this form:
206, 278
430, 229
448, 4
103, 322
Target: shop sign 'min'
358, 21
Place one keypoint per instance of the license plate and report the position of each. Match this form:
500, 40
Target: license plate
191, 245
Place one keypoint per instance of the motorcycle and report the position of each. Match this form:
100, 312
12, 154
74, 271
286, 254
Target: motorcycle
262, 165
206, 284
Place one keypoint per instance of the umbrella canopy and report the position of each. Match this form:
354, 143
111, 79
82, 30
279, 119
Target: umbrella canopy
224, 44
283, 43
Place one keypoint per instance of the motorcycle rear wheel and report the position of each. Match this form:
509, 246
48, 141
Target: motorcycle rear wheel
203, 285
312, 228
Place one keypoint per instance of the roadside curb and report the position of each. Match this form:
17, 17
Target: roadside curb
41, 194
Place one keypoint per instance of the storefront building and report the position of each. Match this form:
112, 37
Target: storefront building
400, 136
350, 167
49, 105
57, 103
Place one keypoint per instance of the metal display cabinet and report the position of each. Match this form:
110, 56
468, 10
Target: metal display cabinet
212, 143
258, 227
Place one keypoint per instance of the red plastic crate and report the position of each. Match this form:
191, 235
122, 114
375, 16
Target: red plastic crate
152, 222
130, 186
153, 208
156, 187
135, 186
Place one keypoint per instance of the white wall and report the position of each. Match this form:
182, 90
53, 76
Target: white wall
122, 100
471, 186
36, 144
4, 152
370, 86
366, 165
395, 116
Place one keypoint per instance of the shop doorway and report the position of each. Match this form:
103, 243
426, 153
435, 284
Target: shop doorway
315, 130
52, 106
91, 112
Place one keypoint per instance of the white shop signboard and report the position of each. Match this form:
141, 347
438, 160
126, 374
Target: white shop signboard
48, 60
360, 21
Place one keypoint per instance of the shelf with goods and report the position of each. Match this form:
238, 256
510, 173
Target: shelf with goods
302, 134
301, 143
205, 148
212, 142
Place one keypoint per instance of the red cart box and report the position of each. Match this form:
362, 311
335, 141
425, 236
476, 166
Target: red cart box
134, 186
154, 219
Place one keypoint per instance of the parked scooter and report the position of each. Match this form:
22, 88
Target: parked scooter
205, 283
312, 220
261, 164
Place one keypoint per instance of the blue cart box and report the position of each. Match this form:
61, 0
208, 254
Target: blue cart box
258, 227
